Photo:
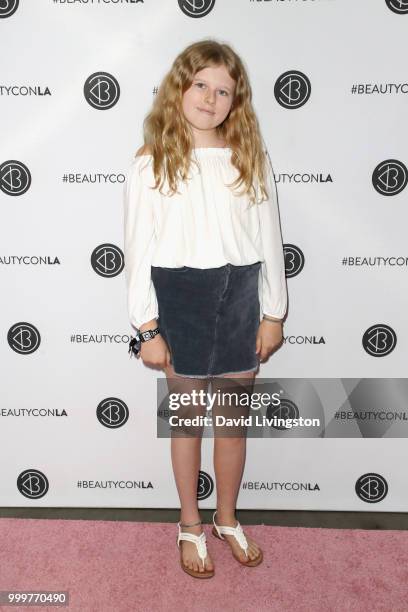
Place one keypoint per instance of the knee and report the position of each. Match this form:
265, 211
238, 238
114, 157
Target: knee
230, 440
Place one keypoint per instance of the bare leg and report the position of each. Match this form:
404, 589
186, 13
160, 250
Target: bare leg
229, 463
186, 461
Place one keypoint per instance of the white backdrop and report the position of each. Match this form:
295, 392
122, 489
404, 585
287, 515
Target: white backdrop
77, 416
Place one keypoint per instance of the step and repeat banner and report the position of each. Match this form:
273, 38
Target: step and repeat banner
82, 424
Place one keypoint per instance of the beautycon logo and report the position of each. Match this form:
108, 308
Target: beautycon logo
390, 177
23, 338
107, 260
101, 90
398, 6
8, 8
285, 410
294, 260
379, 340
371, 488
112, 412
292, 89
32, 484
205, 485
196, 8
15, 177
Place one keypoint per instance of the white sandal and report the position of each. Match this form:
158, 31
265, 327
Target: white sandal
201, 544
239, 535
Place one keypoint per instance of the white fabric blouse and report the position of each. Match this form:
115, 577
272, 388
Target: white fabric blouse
205, 225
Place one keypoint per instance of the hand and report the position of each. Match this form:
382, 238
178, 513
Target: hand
155, 352
268, 338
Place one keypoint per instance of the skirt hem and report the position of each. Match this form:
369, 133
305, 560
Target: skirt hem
219, 374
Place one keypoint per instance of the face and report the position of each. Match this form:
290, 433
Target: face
208, 101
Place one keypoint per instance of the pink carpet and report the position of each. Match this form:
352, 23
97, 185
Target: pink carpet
110, 566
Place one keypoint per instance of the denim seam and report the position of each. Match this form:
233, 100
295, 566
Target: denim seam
211, 360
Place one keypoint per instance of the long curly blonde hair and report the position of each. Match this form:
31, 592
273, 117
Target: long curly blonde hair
168, 136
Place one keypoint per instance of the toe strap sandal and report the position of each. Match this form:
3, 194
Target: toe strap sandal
239, 535
200, 542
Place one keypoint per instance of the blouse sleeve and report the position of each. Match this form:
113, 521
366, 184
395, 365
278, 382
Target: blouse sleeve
273, 291
139, 245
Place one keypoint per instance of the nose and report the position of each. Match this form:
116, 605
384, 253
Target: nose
209, 97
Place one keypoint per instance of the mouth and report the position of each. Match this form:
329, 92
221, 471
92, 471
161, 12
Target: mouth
206, 111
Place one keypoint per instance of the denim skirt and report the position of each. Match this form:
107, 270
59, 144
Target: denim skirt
209, 318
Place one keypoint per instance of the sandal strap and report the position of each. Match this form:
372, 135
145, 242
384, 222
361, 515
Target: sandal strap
236, 531
192, 524
199, 541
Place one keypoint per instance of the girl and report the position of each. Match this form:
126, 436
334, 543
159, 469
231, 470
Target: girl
204, 267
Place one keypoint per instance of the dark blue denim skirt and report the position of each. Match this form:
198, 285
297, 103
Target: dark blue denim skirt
209, 318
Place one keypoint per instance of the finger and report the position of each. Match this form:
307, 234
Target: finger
258, 344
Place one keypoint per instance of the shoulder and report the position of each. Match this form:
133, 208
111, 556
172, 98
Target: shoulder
140, 168
144, 150
141, 159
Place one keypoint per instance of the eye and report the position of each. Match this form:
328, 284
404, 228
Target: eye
223, 91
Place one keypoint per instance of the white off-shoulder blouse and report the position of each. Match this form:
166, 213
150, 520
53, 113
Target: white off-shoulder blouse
205, 225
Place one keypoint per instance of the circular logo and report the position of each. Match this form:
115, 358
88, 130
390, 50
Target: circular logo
286, 410
390, 177
379, 340
196, 8
294, 260
101, 90
292, 89
371, 488
15, 177
107, 260
398, 6
32, 484
205, 485
112, 412
23, 338
8, 8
